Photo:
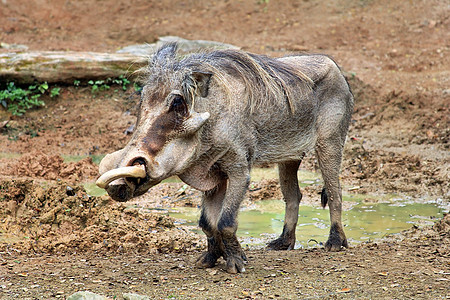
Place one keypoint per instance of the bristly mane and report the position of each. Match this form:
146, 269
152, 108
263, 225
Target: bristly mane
265, 78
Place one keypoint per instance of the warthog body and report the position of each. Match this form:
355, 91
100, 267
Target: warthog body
209, 117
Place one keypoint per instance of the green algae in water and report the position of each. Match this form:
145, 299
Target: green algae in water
93, 190
363, 222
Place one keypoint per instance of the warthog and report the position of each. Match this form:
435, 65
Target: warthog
209, 117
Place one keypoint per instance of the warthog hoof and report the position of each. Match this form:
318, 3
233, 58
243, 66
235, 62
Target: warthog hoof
336, 245
336, 240
235, 263
207, 260
281, 244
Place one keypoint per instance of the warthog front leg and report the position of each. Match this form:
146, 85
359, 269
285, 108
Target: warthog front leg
218, 222
233, 253
211, 207
292, 196
238, 182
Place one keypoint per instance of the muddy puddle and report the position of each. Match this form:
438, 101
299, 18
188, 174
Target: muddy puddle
366, 218
363, 222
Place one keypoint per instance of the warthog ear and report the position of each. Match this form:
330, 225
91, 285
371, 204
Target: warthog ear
202, 79
165, 53
196, 83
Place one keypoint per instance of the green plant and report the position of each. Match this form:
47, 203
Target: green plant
18, 100
137, 87
121, 80
32, 131
12, 133
55, 92
98, 85
103, 85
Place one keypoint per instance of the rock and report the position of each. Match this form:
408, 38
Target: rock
85, 295
130, 296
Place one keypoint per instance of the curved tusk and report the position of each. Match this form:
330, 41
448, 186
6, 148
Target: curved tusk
132, 171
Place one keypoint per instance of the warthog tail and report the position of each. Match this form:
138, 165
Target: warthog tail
324, 197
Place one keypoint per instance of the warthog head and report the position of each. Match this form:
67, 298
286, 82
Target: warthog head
166, 136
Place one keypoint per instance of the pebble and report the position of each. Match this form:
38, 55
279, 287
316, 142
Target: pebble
86, 295
131, 296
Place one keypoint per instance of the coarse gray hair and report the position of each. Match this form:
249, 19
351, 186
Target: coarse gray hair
265, 79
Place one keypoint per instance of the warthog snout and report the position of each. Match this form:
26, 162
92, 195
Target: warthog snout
120, 190
121, 183
124, 183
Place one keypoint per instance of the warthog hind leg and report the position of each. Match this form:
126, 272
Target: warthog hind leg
329, 154
292, 196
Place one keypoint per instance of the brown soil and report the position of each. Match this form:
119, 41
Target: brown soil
55, 239
51, 167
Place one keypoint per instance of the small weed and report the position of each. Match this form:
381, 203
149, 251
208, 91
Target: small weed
121, 80
98, 85
55, 92
137, 87
103, 85
31, 131
18, 100
12, 132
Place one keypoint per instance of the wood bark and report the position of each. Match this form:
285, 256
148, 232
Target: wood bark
65, 67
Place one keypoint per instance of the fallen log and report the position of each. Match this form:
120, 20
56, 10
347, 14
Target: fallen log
65, 67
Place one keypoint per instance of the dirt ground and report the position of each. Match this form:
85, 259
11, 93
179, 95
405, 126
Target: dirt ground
56, 239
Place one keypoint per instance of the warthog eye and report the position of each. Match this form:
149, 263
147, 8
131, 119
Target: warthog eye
179, 105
